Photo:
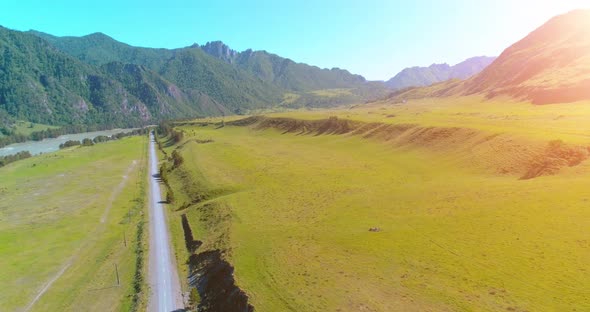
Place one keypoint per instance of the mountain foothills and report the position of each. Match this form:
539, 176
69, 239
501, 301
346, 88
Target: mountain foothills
425, 76
550, 65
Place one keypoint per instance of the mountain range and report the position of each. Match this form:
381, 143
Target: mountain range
95, 79
425, 76
550, 65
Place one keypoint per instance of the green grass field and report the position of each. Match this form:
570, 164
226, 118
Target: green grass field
26, 128
68, 212
293, 210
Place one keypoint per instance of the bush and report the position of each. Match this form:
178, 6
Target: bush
194, 298
69, 143
101, 138
176, 136
5, 160
170, 196
177, 159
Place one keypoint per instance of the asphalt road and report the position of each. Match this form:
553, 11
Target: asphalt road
165, 286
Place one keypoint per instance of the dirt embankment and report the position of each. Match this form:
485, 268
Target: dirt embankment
212, 278
498, 153
556, 155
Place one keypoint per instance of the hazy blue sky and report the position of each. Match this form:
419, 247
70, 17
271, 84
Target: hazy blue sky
375, 38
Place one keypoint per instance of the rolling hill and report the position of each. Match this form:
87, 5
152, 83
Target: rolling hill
425, 76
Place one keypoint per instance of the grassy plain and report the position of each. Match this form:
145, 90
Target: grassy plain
68, 212
294, 211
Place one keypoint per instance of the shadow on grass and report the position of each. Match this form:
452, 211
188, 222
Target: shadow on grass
169, 142
158, 178
104, 288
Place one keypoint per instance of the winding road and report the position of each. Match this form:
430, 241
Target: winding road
163, 277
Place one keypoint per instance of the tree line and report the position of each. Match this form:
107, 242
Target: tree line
165, 129
5, 160
103, 138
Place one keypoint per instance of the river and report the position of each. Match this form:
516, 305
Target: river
52, 145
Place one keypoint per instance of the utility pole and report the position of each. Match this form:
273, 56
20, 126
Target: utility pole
124, 239
117, 273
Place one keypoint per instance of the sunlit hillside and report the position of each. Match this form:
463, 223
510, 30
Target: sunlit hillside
550, 65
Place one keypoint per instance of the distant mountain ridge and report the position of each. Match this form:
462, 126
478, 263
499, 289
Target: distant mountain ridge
425, 76
550, 65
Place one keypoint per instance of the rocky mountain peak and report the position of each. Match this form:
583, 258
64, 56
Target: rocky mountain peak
220, 50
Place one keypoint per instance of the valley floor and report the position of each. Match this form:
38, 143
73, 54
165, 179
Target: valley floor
456, 227
66, 220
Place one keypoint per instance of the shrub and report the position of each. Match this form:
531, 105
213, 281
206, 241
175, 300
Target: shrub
177, 159
69, 143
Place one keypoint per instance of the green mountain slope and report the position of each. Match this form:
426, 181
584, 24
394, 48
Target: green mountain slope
164, 98
195, 72
39, 83
97, 80
236, 81
100, 49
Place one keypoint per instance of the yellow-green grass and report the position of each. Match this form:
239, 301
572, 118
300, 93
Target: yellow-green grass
51, 216
330, 93
569, 122
451, 238
289, 98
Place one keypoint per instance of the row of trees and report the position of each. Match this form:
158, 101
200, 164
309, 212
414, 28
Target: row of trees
103, 138
165, 129
164, 177
5, 160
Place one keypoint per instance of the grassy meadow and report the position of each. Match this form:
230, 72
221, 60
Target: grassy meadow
26, 128
63, 218
457, 229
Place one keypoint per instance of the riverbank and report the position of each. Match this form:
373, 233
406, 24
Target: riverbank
52, 144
